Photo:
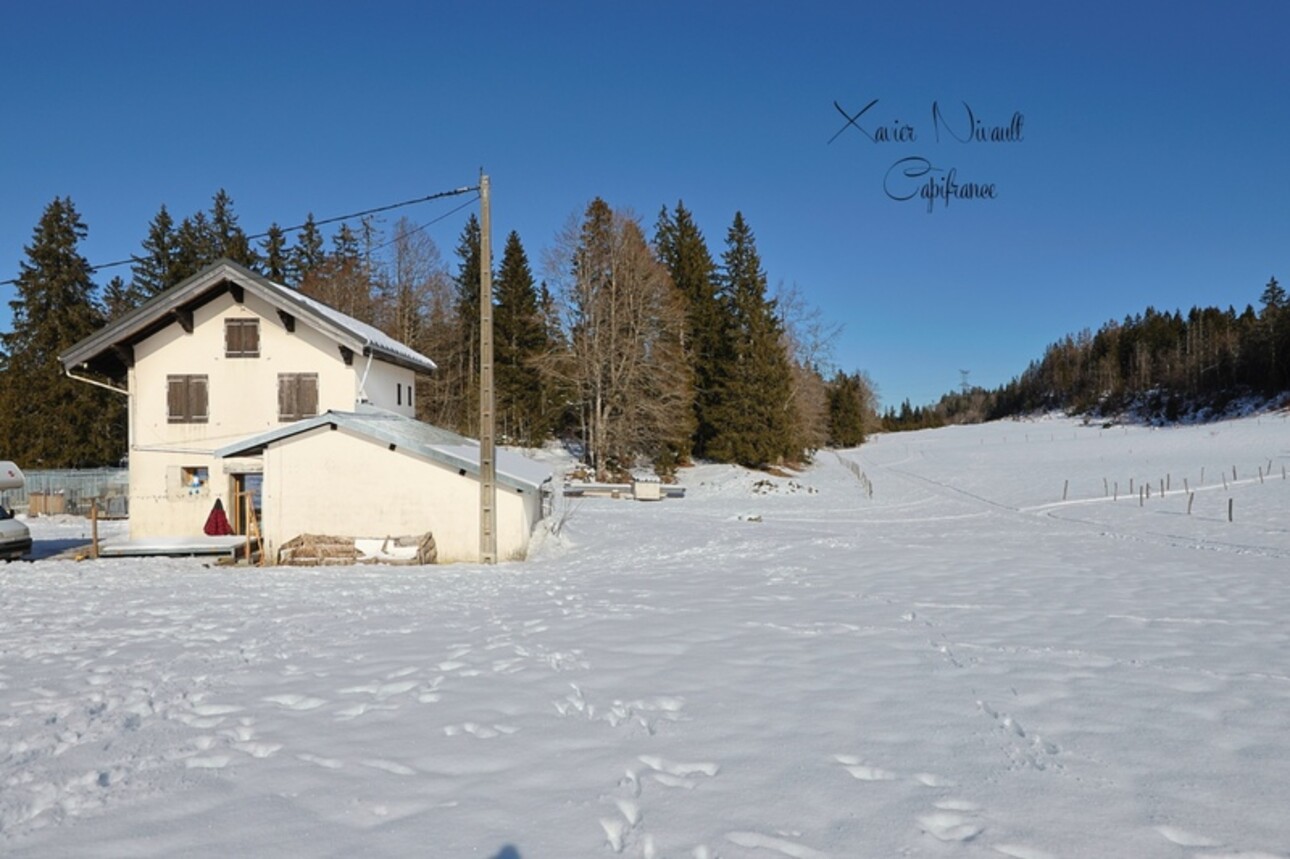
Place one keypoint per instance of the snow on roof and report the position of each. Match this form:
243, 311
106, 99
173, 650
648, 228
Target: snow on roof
157, 310
375, 337
410, 435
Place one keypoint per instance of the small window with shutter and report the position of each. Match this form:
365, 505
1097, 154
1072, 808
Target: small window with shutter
297, 396
241, 338
186, 399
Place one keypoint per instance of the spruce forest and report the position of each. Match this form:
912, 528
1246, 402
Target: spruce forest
1157, 366
633, 348
636, 348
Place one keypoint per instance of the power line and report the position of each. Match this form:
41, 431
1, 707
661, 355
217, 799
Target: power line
429, 223
437, 196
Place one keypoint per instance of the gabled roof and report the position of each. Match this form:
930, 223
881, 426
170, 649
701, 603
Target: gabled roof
409, 435
108, 350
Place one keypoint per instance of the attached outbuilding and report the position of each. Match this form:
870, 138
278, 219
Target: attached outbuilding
373, 473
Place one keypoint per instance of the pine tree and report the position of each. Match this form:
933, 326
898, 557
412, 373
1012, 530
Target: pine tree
519, 338
345, 244
119, 299
228, 240
466, 361
1274, 297
682, 249
753, 409
47, 419
308, 253
847, 410
195, 246
157, 268
276, 264
172, 254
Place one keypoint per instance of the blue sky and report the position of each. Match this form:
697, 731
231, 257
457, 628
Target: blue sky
1153, 169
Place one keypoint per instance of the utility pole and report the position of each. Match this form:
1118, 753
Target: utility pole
487, 463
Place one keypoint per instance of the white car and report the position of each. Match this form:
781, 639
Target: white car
15, 539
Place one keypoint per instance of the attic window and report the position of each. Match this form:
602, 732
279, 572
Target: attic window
241, 338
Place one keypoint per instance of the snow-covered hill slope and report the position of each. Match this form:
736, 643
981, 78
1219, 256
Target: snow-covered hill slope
916, 648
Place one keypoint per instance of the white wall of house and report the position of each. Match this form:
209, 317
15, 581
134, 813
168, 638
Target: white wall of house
388, 386
242, 401
368, 490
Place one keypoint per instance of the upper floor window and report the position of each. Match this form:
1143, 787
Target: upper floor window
297, 396
186, 399
241, 338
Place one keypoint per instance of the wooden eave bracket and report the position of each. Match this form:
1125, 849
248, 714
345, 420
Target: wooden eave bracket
184, 317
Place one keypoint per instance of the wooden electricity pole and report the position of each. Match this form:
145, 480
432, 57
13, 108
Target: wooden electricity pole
487, 463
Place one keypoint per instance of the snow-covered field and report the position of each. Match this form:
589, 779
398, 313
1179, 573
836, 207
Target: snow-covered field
960, 664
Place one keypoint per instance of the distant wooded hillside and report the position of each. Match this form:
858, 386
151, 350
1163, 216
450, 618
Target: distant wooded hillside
1162, 365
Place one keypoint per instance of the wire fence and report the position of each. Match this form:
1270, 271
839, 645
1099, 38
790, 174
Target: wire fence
72, 491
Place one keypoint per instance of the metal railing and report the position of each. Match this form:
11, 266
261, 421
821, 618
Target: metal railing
72, 490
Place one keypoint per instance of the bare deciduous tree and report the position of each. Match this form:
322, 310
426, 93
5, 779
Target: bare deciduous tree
624, 324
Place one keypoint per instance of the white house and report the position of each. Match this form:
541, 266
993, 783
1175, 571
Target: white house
228, 355
374, 473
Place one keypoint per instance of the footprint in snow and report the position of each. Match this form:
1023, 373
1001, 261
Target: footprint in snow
932, 780
792, 849
950, 826
1183, 838
862, 771
674, 773
295, 702
618, 831
388, 766
381, 691
325, 763
481, 732
353, 712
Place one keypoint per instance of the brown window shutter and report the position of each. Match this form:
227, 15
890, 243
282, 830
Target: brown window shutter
286, 401
198, 402
307, 398
176, 399
242, 338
